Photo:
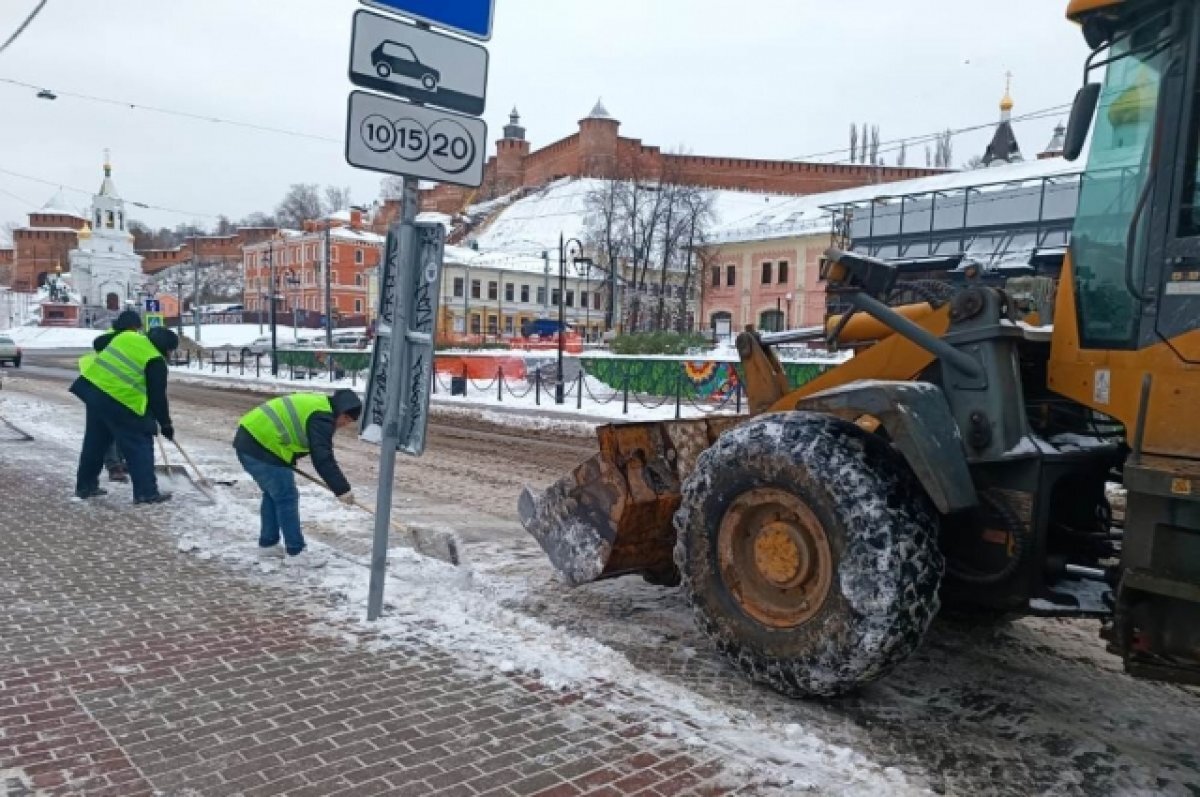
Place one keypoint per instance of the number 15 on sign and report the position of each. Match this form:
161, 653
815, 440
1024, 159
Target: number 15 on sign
400, 138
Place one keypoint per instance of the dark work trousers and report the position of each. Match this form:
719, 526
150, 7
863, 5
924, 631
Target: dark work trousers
134, 436
112, 457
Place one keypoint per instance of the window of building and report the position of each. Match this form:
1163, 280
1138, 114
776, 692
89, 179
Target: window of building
475, 324
525, 294
333, 255
510, 292
595, 301
555, 297
476, 289
730, 276
358, 305
716, 276
493, 290
570, 298
766, 273
783, 272
358, 280
541, 295
109, 220
459, 287
583, 298
771, 321
508, 325
493, 325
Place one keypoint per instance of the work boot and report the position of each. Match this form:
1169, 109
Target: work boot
94, 492
157, 498
118, 473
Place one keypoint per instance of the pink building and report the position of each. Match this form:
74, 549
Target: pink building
771, 284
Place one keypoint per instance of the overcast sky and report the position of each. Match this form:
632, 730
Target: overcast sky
757, 78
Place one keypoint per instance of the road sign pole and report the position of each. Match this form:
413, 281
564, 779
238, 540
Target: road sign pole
390, 441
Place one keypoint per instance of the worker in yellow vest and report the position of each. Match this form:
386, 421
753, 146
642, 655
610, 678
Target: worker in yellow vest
127, 321
269, 440
125, 390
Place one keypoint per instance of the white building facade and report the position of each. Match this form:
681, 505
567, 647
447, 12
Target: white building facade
105, 270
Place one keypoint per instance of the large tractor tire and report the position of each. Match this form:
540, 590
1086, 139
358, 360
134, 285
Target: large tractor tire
808, 552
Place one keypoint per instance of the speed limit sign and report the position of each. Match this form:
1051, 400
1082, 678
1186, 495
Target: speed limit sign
398, 137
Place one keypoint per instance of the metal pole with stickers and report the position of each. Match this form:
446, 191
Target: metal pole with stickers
417, 118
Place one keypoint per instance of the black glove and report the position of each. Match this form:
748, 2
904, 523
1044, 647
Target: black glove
168, 432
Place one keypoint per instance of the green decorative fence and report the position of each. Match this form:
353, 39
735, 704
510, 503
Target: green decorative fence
323, 359
696, 379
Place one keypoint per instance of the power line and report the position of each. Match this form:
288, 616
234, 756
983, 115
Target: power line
894, 144
172, 112
76, 189
21, 28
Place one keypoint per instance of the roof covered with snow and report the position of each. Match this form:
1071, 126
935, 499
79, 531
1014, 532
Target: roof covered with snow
535, 223
806, 214
58, 205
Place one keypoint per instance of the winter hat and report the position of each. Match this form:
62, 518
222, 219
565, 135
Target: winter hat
128, 320
163, 339
346, 402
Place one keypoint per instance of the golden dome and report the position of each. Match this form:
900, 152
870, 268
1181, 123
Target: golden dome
1006, 103
86, 232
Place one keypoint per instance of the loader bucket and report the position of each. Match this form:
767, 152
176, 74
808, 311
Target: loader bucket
612, 515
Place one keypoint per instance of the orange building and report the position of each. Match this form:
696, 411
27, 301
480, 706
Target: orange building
599, 150
299, 276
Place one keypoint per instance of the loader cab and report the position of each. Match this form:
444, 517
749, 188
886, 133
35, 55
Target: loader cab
1136, 240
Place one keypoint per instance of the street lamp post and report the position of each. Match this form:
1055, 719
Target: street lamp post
587, 304
273, 288
195, 289
563, 245
292, 281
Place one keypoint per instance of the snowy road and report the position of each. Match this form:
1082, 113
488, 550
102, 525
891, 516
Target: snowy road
1034, 707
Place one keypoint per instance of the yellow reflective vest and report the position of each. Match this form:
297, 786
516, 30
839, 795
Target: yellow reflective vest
120, 370
280, 425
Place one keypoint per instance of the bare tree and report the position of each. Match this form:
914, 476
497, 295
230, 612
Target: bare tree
974, 162
605, 233
875, 144
336, 198
301, 203
853, 143
928, 156
699, 206
945, 150
866, 139
903, 154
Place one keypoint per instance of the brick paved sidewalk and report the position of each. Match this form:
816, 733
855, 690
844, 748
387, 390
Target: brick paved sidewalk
127, 668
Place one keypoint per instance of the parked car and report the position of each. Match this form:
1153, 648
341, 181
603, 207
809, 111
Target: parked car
351, 341
393, 58
10, 352
257, 346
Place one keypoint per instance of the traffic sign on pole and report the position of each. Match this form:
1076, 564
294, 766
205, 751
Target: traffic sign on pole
397, 58
469, 17
397, 137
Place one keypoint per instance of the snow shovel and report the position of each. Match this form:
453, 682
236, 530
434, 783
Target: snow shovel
167, 468
201, 479
170, 470
436, 545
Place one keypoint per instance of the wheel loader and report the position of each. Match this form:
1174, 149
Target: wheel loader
963, 459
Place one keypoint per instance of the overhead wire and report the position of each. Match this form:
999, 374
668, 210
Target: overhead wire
173, 112
76, 189
21, 28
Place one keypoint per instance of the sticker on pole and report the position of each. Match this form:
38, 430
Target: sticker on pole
397, 137
402, 371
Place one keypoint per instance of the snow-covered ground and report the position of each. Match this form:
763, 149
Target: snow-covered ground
465, 612
52, 337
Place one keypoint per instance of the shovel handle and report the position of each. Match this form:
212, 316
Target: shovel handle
188, 460
395, 526
162, 449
